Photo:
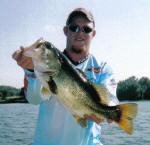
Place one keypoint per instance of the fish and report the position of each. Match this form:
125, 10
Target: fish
73, 90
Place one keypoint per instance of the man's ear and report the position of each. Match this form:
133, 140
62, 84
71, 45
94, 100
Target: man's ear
94, 33
65, 30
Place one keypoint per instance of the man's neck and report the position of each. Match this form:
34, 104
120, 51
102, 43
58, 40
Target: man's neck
76, 57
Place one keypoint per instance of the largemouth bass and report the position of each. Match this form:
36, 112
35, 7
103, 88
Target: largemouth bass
73, 90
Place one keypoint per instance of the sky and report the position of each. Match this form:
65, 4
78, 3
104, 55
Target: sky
122, 33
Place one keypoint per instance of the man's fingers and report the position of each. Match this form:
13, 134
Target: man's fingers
23, 61
87, 116
27, 63
22, 48
16, 54
98, 120
93, 118
109, 120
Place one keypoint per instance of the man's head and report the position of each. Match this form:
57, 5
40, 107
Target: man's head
79, 30
80, 12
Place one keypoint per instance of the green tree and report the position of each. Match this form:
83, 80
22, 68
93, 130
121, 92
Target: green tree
129, 89
9, 91
22, 92
144, 83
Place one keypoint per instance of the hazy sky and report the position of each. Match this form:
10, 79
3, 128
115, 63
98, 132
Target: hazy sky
122, 38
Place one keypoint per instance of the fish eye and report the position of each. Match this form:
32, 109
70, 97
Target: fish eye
48, 45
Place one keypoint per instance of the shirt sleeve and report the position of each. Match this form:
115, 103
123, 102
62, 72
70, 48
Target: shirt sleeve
32, 88
108, 80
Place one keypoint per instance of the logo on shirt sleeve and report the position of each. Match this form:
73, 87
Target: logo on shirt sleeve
93, 69
113, 83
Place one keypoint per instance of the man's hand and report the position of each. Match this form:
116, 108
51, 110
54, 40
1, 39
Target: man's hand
95, 119
23, 61
109, 120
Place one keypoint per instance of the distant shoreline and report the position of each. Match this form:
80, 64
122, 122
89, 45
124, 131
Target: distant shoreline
13, 99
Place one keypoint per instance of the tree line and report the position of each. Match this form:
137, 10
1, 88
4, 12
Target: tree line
10, 91
134, 89
12, 95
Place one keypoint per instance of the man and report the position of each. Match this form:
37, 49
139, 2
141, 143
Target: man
56, 125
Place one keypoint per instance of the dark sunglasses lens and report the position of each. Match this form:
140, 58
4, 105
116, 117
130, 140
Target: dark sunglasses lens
73, 28
87, 29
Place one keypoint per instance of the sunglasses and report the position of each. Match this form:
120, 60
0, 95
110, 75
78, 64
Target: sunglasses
76, 28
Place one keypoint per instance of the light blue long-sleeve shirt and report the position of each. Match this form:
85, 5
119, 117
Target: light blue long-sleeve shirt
55, 125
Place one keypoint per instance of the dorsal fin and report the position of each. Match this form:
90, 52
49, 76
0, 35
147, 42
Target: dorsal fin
35, 44
103, 93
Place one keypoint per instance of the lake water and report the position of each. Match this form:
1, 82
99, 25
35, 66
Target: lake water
112, 135
17, 124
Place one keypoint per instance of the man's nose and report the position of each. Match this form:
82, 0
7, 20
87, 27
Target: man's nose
80, 32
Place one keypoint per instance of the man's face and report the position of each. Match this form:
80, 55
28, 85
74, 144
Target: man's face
79, 41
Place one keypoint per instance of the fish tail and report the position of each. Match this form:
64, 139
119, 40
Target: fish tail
127, 113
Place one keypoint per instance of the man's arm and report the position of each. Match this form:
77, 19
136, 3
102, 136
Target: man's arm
107, 78
32, 87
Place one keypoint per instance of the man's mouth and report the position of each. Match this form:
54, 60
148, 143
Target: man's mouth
79, 39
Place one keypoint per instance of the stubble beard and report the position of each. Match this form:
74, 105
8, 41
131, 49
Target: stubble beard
77, 50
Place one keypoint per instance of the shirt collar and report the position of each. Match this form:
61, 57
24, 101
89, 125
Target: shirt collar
75, 62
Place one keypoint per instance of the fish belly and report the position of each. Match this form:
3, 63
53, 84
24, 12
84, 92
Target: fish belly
71, 96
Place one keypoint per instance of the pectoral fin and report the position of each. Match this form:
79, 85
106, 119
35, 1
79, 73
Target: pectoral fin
45, 93
83, 122
49, 88
103, 93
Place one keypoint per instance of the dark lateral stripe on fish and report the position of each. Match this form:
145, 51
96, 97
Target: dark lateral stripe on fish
116, 116
110, 112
